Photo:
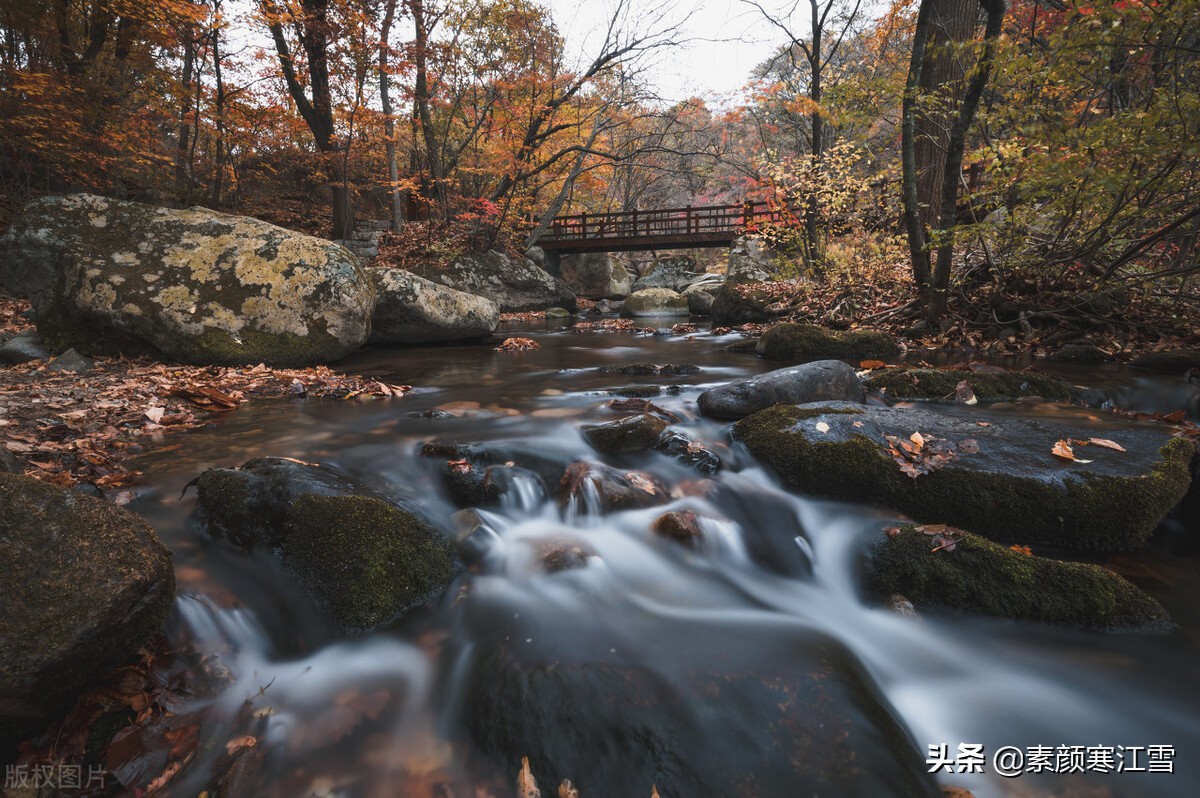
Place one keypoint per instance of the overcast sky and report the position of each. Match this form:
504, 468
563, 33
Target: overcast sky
729, 39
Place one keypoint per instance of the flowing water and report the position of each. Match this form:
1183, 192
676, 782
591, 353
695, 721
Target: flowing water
382, 713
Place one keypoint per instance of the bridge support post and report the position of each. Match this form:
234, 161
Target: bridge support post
553, 263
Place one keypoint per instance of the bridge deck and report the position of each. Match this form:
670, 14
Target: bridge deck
674, 228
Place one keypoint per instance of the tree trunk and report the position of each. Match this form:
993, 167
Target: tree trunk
389, 120
433, 160
951, 23
910, 179
183, 166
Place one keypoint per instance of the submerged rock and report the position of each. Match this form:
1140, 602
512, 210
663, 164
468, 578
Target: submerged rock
1177, 361
681, 526
648, 369
363, 559
801, 718
85, 583
625, 435
193, 285
982, 577
655, 302
1083, 354
810, 341
596, 275
820, 381
595, 487
689, 452
515, 284
413, 310
987, 386
1001, 480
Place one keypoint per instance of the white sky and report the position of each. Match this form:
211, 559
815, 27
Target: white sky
728, 39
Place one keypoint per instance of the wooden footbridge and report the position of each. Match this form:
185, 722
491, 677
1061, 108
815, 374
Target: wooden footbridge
674, 228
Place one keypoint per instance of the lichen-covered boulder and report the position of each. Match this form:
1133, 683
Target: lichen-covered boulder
596, 275
85, 583
515, 284
700, 297
985, 578
412, 310
750, 262
986, 386
655, 302
675, 273
192, 285
362, 558
820, 381
796, 342
1000, 479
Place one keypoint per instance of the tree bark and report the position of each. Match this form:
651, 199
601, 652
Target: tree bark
389, 120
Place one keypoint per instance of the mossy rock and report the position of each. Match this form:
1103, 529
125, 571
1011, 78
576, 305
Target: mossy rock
985, 578
363, 559
797, 342
85, 583
1011, 485
935, 384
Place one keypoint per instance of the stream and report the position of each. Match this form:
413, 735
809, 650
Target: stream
383, 713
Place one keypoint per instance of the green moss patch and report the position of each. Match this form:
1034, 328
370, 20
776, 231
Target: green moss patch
982, 577
904, 383
799, 342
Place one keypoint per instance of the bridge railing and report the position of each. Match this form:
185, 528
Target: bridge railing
697, 221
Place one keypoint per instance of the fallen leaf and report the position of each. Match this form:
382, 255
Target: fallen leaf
891, 531
822, 426
1028, 552
917, 439
872, 364
963, 392
1105, 443
155, 414
526, 784
1063, 449
968, 446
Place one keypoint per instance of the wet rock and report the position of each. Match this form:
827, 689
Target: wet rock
681, 526
654, 302
750, 262
362, 558
809, 342
674, 273
193, 285
936, 384
558, 313
557, 556
742, 303
636, 391
625, 435
651, 369
472, 485
1175, 361
85, 583
596, 275
413, 310
23, 347
900, 605
981, 577
515, 284
700, 297
812, 726
1083, 354
605, 306
71, 361
690, 453
811, 382
1011, 485
746, 346
547, 463
594, 487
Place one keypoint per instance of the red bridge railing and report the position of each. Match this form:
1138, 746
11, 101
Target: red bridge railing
702, 225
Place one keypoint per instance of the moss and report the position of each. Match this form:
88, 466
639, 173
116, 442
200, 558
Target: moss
797, 342
982, 577
746, 345
904, 383
364, 559
1101, 512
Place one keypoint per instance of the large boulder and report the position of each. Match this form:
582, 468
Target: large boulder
596, 275
700, 297
515, 284
85, 583
655, 302
731, 713
413, 310
978, 576
997, 480
749, 262
362, 558
823, 380
192, 285
797, 342
675, 273
743, 303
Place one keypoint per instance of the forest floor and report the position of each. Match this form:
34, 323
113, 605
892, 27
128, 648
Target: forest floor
72, 428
